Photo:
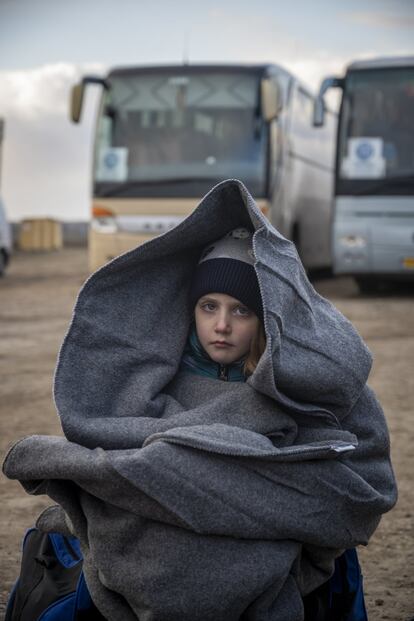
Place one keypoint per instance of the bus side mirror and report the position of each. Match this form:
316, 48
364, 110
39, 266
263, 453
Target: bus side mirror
270, 99
76, 102
77, 95
319, 105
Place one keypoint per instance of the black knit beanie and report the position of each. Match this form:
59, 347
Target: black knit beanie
227, 266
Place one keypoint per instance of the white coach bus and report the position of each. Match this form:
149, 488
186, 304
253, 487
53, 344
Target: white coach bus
165, 135
373, 215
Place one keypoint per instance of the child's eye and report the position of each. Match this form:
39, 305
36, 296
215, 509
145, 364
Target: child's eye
243, 311
208, 306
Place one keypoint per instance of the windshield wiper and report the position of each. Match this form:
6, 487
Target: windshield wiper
121, 188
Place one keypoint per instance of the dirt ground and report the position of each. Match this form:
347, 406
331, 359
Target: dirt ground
36, 299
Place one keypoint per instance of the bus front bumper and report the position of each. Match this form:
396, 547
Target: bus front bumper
374, 237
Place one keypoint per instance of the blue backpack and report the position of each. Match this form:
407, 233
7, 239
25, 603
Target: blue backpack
52, 587
342, 597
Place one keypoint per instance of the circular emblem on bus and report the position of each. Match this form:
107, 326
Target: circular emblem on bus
364, 151
111, 160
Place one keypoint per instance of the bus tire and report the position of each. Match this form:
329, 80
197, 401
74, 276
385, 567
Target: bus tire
367, 284
3, 262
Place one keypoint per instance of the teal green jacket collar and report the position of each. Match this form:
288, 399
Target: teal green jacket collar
196, 360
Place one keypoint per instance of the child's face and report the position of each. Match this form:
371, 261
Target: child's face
225, 327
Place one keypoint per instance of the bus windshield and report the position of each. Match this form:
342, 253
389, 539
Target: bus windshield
164, 129
376, 137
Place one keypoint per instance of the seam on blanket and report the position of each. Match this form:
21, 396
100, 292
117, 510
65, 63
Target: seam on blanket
268, 455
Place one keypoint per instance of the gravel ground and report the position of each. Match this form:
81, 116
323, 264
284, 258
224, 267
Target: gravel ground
36, 299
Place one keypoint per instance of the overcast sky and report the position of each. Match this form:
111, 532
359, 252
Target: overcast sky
46, 45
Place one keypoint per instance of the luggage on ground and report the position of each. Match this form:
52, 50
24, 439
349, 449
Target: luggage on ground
51, 585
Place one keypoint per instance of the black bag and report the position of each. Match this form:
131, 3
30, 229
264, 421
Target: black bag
51, 585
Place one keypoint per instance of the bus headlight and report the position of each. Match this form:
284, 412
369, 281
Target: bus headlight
353, 241
103, 220
104, 225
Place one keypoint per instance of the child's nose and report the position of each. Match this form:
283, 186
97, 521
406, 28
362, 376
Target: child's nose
223, 323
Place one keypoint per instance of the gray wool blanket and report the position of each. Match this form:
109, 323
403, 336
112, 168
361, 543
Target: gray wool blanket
196, 499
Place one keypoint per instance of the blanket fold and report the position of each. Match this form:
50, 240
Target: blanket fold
196, 499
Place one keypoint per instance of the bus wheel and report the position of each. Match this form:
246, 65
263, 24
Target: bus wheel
3, 263
367, 284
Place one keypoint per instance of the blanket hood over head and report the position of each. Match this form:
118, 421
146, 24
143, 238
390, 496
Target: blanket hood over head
132, 319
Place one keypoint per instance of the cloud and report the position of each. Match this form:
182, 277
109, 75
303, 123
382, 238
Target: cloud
312, 70
42, 91
46, 159
380, 19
